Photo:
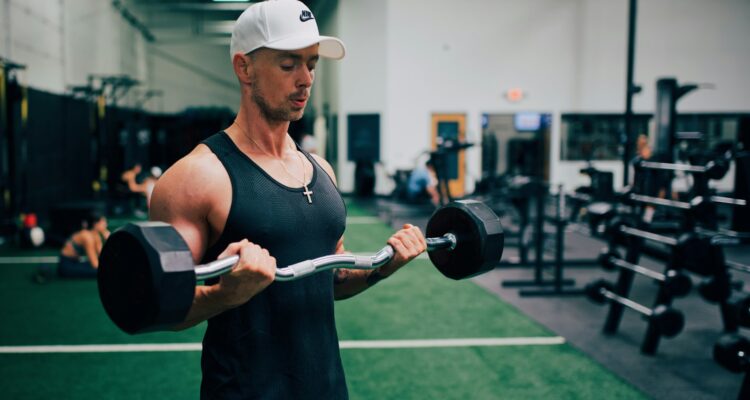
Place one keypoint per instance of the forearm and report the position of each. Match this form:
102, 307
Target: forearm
350, 282
207, 302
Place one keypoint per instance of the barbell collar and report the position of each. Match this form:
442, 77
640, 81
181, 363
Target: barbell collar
324, 263
447, 241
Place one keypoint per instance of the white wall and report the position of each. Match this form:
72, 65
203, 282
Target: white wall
192, 75
62, 42
407, 59
362, 25
569, 56
32, 34
99, 42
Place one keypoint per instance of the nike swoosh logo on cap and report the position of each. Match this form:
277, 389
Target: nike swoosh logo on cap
305, 16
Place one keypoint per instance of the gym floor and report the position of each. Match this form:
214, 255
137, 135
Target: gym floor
683, 367
57, 342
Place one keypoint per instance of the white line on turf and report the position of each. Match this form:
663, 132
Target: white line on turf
345, 344
470, 342
29, 260
363, 220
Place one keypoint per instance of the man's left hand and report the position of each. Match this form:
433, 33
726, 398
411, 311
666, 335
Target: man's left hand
407, 244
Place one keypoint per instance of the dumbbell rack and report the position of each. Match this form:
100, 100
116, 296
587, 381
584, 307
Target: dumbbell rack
623, 287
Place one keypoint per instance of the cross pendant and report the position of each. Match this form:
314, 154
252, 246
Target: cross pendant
308, 193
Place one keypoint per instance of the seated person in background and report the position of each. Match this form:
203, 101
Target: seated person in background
422, 185
146, 186
87, 241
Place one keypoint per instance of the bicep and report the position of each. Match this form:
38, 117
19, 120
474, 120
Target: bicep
170, 206
340, 246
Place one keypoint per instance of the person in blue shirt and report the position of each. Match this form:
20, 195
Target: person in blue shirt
422, 185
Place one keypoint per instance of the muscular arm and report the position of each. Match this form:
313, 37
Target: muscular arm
350, 282
194, 196
129, 178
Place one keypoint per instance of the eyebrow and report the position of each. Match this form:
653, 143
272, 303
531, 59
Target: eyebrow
295, 56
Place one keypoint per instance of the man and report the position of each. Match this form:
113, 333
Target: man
146, 186
422, 184
250, 191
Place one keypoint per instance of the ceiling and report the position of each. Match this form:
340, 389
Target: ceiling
193, 21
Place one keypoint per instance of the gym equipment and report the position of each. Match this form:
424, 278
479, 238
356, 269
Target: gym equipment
690, 251
675, 283
740, 308
715, 289
693, 205
631, 89
31, 237
741, 216
667, 320
621, 232
442, 158
733, 353
714, 169
668, 92
13, 140
555, 286
147, 278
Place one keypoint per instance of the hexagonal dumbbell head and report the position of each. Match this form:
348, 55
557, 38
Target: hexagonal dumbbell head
733, 353
146, 278
479, 234
677, 283
605, 258
594, 289
668, 321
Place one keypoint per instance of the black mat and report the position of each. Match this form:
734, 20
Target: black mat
682, 369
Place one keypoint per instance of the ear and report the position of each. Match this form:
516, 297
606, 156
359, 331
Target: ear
243, 68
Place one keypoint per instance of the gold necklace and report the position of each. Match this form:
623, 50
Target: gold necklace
307, 192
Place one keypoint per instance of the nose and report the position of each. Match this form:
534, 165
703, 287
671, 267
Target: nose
305, 78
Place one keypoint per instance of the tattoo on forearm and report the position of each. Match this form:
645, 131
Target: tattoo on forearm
340, 276
374, 277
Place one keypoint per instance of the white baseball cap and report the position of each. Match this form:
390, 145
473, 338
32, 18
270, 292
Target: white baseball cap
281, 25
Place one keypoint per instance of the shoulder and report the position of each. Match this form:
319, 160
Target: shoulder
325, 165
84, 237
190, 184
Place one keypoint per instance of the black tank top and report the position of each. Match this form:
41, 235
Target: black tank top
282, 344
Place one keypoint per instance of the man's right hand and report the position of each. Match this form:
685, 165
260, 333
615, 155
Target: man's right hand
255, 270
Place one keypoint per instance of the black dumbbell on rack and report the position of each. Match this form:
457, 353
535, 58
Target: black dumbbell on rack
663, 320
733, 353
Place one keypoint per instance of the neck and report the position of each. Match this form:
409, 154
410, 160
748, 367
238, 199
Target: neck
270, 136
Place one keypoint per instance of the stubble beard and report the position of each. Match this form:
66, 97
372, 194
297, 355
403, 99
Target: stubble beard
279, 114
